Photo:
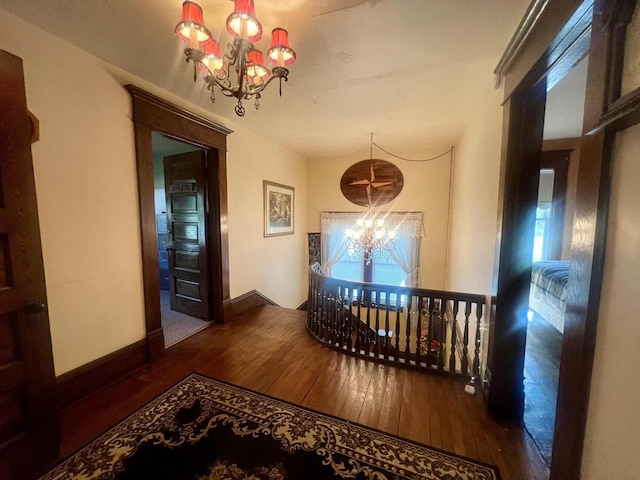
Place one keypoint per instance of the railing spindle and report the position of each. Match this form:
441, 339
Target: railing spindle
367, 332
454, 333
357, 345
443, 333
348, 326
387, 340
429, 360
376, 345
465, 339
419, 330
397, 332
407, 332
476, 356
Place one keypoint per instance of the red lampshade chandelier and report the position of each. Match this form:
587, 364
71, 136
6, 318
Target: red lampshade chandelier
241, 72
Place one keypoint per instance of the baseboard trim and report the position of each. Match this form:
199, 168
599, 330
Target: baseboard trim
248, 300
303, 306
155, 342
78, 383
227, 310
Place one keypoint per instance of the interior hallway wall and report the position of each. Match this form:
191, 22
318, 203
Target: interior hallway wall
426, 189
611, 440
86, 185
475, 200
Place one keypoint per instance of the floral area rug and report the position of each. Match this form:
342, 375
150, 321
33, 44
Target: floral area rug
203, 429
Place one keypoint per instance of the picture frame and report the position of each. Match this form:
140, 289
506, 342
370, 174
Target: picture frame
279, 209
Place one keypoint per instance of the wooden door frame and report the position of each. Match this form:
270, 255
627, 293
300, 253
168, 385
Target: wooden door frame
31, 374
518, 195
552, 38
153, 114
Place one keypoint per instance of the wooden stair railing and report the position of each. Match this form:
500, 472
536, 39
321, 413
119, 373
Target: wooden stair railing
413, 327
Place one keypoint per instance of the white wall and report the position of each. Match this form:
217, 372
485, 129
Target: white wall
475, 200
85, 176
275, 266
86, 185
612, 444
426, 189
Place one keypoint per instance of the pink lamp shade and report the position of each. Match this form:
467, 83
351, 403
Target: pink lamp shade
212, 57
280, 52
243, 23
191, 27
255, 67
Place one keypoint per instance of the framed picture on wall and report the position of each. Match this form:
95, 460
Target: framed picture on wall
279, 203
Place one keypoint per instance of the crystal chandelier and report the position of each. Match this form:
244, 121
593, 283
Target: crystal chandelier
241, 72
369, 238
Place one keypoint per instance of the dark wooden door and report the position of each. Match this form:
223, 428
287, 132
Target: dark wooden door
29, 424
184, 177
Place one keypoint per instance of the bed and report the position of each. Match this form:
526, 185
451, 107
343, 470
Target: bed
549, 291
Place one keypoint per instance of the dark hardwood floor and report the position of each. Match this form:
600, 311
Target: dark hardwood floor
267, 349
541, 370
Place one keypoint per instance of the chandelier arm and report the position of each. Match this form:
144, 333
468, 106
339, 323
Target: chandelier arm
232, 54
227, 92
262, 86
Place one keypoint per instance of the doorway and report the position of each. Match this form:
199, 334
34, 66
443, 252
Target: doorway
564, 111
152, 114
183, 295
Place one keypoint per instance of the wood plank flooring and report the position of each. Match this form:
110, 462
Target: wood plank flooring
268, 349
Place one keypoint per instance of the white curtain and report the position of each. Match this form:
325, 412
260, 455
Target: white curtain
406, 253
333, 240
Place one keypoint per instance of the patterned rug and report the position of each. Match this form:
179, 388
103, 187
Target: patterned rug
203, 429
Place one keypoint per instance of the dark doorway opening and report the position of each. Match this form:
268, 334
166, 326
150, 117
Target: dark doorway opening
564, 111
179, 323
152, 114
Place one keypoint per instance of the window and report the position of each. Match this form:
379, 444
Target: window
380, 270
544, 214
400, 268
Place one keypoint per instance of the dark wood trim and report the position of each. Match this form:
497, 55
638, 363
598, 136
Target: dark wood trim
604, 116
167, 112
616, 15
153, 114
155, 344
624, 113
303, 306
227, 310
218, 234
248, 300
84, 380
588, 248
559, 27
520, 36
519, 180
30, 428
150, 268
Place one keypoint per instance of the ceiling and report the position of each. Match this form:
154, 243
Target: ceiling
565, 104
410, 71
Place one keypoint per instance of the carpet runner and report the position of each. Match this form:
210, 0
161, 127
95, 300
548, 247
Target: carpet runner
205, 429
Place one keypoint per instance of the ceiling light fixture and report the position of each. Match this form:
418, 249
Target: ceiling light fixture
370, 238
241, 72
